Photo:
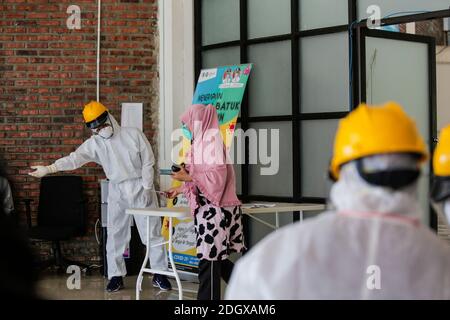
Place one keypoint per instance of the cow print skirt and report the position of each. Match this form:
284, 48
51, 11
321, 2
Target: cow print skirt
218, 230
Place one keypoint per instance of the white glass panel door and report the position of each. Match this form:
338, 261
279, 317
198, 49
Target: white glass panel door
397, 67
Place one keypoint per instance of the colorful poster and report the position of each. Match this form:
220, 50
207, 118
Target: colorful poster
183, 245
223, 87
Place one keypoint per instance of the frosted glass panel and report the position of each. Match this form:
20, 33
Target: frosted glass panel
406, 7
279, 151
268, 18
322, 13
220, 21
398, 70
324, 69
221, 57
443, 93
317, 138
271, 83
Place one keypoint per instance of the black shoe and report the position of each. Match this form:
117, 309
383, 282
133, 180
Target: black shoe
160, 281
115, 284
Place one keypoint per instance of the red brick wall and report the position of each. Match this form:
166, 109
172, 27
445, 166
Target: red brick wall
47, 74
433, 28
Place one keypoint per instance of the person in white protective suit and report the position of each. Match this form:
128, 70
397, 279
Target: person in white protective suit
371, 245
440, 192
127, 159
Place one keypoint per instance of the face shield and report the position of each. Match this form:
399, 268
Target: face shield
440, 198
105, 129
389, 171
376, 185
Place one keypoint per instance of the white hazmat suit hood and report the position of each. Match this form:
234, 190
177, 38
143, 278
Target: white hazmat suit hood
371, 246
351, 193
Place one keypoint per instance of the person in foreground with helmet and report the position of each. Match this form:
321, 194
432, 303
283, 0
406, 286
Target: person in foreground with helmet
440, 192
372, 245
127, 159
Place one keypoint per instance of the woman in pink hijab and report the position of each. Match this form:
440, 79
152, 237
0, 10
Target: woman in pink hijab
209, 186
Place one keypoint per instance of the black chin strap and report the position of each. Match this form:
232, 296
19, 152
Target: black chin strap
394, 179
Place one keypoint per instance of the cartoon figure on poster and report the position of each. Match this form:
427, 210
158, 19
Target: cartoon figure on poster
236, 75
227, 76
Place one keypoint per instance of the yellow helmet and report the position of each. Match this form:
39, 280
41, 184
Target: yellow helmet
441, 156
94, 114
372, 130
440, 189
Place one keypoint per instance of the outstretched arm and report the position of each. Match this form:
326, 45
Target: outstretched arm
82, 155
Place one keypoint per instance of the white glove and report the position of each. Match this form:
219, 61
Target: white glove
41, 171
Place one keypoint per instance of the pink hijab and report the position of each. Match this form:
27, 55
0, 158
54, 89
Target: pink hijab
206, 160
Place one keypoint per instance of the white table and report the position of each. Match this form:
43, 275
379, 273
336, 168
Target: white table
179, 213
184, 212
279, 208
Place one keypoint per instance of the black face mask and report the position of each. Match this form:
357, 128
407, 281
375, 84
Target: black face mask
394, 179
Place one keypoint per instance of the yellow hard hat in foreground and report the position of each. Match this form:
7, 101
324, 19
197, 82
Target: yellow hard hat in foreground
372, 130
94, 114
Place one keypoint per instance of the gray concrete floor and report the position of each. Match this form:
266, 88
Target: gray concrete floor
54, 286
